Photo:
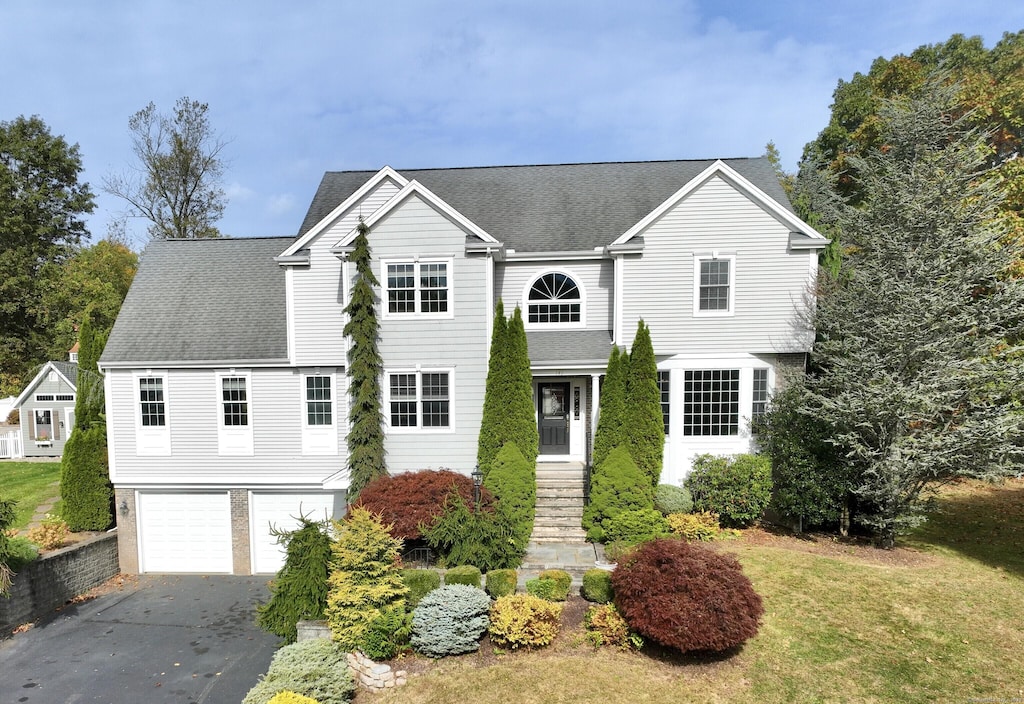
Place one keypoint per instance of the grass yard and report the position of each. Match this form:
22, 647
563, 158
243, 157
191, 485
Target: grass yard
936, 619
30, 484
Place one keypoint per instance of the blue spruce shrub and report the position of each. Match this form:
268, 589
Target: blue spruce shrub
450, 620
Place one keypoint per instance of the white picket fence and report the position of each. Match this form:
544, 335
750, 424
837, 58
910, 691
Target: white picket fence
10, 445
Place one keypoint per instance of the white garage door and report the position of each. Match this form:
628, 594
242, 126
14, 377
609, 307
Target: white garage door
184, 532
281, 511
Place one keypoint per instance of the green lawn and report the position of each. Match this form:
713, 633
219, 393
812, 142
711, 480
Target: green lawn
936, 620
30, 484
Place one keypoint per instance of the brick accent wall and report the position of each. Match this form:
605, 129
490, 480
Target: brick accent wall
240, 549
127, 532
55, 578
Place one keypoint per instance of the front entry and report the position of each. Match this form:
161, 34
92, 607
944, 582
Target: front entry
553, 401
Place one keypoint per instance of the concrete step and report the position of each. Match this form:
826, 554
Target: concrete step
546, 534
547, 514
560, 500
568, 521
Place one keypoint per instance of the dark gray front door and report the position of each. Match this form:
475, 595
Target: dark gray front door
553, 400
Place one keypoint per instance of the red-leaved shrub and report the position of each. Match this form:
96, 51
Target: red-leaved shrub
406, 500
686, 597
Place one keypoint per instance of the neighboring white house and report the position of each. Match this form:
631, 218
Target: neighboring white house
225, 372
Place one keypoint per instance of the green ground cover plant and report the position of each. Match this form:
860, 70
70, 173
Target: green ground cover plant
30, 484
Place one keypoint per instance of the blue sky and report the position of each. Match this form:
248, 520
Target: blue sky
301, 88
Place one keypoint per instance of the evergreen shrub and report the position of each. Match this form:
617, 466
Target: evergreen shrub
299, 591
669, 499
6, 549
419, 583
410, 500
702, 525
562, 580
737, 488
85, 482
605, 626
636, 526
388, 634
288, 697
686, 597
644, 424
463, 574
524, 621
617, 485
465, 536
501, 583
597, 586
450, 621
611, 432
313, 668
512, 480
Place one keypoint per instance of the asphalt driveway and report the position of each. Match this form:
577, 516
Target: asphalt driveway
178, 638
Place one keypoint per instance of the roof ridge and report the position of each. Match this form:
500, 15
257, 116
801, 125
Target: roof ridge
241, 238
567, 163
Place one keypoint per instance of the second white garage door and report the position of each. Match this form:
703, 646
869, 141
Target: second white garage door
281, 511
184, 532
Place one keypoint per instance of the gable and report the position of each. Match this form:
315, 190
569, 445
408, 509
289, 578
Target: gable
65, 372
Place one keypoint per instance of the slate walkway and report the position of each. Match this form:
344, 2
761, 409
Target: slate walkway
575, 558
44, 508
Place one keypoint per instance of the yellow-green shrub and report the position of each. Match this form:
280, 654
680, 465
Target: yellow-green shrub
287, 697
694, 526
524, 621
606, 627
51, 534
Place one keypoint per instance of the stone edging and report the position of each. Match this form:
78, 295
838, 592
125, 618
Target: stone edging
368, 674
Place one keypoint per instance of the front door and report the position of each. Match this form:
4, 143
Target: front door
553, 400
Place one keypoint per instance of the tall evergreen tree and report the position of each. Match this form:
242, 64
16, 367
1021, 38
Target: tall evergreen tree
611, 415
489, 442
644, 425
522, 414
365, 367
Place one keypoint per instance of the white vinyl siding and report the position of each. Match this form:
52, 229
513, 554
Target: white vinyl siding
419, 400
184, 532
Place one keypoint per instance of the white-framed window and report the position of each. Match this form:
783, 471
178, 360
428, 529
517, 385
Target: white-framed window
759, 398
420, 399
44, 397
319, 413
234, 426
64, 397
555, 298
43, 428
152, 415
714, 279
418, 288
711, 402
664, 389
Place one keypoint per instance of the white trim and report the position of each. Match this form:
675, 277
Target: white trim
618, 296
234, 440
384, 174
513, 256
283, 363
419, 371
722, 169
112, 422
48, 367
491, 308
289, 306
319, 440
698, 259
417, 262
528, 286
152, 441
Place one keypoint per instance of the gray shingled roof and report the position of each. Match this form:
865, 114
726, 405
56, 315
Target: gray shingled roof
68, 369
561, 207
569, 346
205, 300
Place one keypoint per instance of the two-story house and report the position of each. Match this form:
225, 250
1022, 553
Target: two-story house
225, 374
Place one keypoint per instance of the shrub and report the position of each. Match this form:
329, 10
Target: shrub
597, 586
644, 423
287, 697
524, 621
463, 574
300, 589
737, 488
513, 481
686, 597
546, 589
616, 550
611, 416
419, 583
313, 668
465, 536
411, 499
606, 627
695, 526
636, 526
53, 533
6, 550
388, 634
85, 480
501, 583
670, 499
617, 485
450, 621
562, 580
365, 578
20, 551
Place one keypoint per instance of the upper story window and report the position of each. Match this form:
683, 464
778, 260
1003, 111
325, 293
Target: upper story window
152, 415
418, 288
713, 285
711, 402
319, 409
420, 399
151, 401
554, 298
235, 400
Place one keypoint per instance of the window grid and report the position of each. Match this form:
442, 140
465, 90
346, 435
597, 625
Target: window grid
711, 402
318, 400
151, 400
554, 298
403, 400
663, 390
435, 400
420, 400
714, 284
412, 282
402, 288
65, 397
44, 397
235, 400
760, 397
434, 288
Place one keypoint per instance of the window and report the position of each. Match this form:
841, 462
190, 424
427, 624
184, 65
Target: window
44, 397
419, 400
234, 400
65, 397
711, 402
151, 402
663, 389
554, 298
318, 400
44, 430
417, 288
713, 285
760, 398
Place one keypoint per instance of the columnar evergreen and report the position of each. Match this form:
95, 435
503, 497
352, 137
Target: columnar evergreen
365, 367
644, 425
489, 443
513, 481
610, 419
85, 478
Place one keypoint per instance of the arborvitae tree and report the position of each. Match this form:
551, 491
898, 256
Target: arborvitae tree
644, 425
610, 418
509, 415
618, 485
365, 367
85, 477
513, 481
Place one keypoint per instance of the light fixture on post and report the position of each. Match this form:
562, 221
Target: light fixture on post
478, 478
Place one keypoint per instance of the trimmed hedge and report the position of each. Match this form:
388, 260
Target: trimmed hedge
669, 499
463, 574
617, 485
636, 526
419, 583
501, 583
597, 586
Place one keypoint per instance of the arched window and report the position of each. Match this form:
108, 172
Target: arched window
554, 298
